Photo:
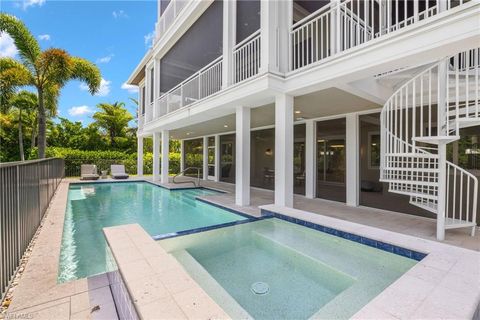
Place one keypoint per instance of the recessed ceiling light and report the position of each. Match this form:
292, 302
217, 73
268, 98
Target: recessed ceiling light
298, 112
225, 125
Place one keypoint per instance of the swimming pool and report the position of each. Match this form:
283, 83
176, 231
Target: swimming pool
273, 269
93, 206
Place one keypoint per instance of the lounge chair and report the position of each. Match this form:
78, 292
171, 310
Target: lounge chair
117, 171
88, 172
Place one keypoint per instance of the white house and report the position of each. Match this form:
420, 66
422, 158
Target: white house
366, 102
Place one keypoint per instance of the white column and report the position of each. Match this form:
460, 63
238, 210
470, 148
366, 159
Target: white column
284, 150
310, 147
205, 158
182, 160
148, 110
156, 155
352, 159
139, 156
165, 154
229, 40
334, 26
242, 157
275, 21
217, 158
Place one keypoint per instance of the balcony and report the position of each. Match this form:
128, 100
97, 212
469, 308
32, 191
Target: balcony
328, 32
168, 17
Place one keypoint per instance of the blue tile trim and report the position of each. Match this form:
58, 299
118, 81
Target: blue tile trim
412, 254
186, 188
201, 229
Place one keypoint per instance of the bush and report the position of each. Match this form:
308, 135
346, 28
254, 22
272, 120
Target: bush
103, 159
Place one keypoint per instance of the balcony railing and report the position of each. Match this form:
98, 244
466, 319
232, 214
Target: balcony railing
26, 190
200, 85
246, 58
168, 17
337, 28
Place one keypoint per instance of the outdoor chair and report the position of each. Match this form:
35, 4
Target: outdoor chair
88, 172
117, 171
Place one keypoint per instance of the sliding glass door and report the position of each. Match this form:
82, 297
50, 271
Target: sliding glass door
331, 163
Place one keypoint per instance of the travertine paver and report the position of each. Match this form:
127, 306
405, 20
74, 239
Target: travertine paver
158, 285
39, 296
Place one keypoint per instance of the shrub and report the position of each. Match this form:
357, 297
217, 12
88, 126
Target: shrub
103, 159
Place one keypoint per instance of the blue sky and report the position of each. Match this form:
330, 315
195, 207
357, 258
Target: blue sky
113, 34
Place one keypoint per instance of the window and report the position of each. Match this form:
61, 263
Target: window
143, 100
152, 86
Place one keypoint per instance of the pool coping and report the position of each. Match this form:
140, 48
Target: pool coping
153, 281
444, 284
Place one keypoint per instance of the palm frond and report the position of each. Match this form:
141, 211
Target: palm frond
87, 72
27, 45
12, 75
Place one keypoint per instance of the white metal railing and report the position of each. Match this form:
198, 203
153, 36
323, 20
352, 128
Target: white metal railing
335, 28
310, 38
168, 17
417, 121
246, 58
200, 85
461, 196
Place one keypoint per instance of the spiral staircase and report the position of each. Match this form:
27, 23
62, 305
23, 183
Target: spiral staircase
418, 121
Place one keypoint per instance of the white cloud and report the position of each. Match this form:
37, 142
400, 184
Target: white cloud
130, 88
104, 88
149, 39
105, 59
7, 46
32, 3
79, 111
45, 37
117, 14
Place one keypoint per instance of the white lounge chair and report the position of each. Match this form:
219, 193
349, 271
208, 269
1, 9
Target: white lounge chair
117, 171
88, 172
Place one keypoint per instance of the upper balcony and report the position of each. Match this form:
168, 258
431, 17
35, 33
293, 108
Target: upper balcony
312, 38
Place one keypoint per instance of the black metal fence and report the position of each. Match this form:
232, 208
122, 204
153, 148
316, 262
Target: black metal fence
26, 189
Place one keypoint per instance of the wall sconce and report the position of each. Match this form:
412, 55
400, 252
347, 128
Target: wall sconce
268, 152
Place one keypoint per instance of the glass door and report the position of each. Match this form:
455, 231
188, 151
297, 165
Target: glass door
211, 158
331, 165
227, 158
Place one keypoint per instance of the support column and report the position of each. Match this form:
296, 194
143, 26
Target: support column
205, 158
284, 150
217, 158
242, 157
229, 40
442, 149
352, 159
310, 147
139, 156
165, 155
182, 160
156, 155
335, 40
275, 21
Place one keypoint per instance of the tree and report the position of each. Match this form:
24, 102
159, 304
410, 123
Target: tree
114, 119
23, 101
48, 71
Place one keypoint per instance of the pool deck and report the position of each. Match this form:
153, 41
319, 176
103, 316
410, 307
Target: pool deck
446, 284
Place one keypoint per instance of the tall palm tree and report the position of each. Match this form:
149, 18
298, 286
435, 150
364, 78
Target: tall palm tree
48, 70
113, 118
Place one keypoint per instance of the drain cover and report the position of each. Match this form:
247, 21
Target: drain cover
260, 288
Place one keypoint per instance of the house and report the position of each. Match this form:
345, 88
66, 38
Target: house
371, 103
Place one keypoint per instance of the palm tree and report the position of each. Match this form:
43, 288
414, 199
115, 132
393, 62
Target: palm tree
23, 101
113, 118
48, 71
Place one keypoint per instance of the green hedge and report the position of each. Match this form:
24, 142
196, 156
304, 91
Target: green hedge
103, 159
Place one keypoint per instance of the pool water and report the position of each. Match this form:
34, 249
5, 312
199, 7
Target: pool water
303, 273
91, 207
